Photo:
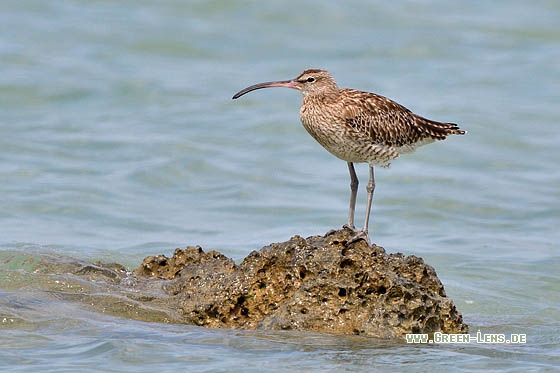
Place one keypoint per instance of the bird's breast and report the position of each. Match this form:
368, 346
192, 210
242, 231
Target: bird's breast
328, 126
323, 124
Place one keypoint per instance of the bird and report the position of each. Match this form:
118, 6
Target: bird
358, 127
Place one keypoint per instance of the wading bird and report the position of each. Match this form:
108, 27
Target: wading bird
358, 126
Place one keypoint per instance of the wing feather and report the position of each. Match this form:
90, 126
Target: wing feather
388, 123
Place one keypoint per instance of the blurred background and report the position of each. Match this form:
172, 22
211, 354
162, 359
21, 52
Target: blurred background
119, 139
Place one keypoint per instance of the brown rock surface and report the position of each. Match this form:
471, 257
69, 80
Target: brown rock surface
315, 284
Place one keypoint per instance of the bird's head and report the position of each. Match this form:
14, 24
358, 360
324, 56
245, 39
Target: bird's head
310, 82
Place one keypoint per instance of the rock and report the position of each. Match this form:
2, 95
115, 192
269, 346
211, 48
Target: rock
319, 284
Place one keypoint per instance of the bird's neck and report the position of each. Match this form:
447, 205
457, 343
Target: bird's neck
322, 97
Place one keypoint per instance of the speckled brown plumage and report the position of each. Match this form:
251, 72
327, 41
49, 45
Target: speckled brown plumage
359, 126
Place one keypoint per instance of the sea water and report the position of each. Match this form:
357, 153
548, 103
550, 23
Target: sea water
119, 139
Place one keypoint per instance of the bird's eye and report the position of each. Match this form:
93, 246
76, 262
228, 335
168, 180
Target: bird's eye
310, 80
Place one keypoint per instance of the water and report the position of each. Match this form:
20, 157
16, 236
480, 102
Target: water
119, 139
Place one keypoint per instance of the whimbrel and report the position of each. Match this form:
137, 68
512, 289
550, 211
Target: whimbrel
358, 126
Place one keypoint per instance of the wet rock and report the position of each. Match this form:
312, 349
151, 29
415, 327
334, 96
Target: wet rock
320, 284
193, 258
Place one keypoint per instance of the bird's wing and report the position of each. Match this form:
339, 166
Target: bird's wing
387, 122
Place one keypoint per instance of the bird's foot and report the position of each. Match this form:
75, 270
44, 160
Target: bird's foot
360, 235
351, 227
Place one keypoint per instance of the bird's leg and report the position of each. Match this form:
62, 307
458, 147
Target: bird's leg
363, 234
369, 188
354, 192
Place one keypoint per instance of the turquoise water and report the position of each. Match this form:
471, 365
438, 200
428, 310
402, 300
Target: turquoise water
119, 139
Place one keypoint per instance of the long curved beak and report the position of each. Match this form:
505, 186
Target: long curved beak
280, 83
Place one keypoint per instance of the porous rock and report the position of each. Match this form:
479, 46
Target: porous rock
320, 284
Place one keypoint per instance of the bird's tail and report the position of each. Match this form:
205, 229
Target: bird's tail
438, 130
